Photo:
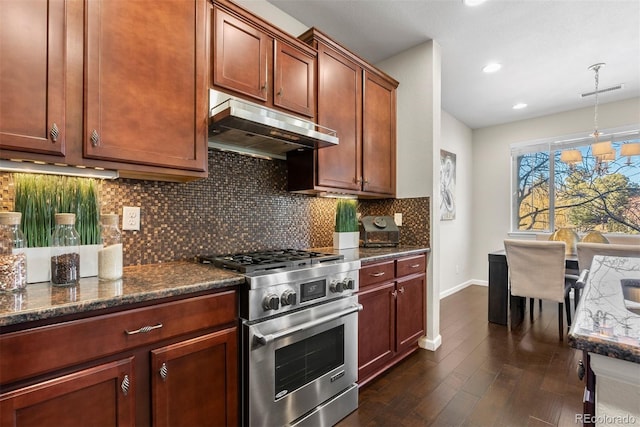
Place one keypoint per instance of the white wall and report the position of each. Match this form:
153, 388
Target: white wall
455, 235
274, 16
491, 168
418, 147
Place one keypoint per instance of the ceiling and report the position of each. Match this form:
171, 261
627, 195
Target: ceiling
545, 48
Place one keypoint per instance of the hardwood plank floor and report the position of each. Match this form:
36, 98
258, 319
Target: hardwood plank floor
483, 374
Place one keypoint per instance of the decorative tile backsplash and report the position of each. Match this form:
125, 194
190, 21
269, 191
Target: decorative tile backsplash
242, 206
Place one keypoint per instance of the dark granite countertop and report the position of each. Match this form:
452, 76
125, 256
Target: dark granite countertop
367, 255
603, 324
140, 283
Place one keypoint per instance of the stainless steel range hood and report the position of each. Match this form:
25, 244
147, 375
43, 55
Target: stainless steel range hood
247, 128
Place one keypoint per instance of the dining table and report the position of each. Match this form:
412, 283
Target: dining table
504, 307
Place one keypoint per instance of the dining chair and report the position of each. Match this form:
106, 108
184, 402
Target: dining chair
587, 250
537, 270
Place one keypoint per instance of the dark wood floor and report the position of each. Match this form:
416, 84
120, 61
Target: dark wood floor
482, 374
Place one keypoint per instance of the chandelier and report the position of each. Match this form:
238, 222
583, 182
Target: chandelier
602, 151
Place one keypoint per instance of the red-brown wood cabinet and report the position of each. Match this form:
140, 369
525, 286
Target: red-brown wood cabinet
392, 293
108, 369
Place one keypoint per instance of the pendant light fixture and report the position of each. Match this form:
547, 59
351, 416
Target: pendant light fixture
603, 151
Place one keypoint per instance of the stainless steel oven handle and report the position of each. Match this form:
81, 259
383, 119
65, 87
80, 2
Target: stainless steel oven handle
259, 339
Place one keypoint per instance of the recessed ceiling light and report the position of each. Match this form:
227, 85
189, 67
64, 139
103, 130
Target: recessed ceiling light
520, 106
492, 68
473, 2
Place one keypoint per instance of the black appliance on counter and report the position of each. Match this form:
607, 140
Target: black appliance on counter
299, 336
379, 231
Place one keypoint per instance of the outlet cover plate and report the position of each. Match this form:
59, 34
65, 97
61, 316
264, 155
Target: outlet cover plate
131, 218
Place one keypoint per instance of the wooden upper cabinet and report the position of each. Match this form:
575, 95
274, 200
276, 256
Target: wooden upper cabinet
256, 61
146, 82
294, 80
241, 56
32, 69
378, 135
339, 108
359, 102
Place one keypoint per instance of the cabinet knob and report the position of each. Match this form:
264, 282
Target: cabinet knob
125, 385
95, 138
580, 370
401, 290
164, 371
395, 294
280, 92
54, 133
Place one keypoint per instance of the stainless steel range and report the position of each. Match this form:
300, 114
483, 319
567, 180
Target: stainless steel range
299, 340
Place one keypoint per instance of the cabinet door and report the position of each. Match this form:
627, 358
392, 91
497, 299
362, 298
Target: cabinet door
378, 135
195, 382
294, 80
145, 85
98, 396
32, 52
376, 332
340, 109
410, 314
241, 56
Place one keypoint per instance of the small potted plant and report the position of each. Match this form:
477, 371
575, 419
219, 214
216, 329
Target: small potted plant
347, 234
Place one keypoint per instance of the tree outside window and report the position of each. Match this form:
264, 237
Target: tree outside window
589, 195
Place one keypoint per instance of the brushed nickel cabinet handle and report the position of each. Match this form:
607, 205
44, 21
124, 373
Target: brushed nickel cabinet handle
414, 266
144, 329
95, 138
381, 273
395, 294
125, 385
164, 371
401, 290
54, 133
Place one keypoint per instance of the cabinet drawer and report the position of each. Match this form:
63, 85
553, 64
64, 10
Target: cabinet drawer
39, 350
376, 273
411, 265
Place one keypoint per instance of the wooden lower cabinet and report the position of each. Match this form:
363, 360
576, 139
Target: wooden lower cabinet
103, 395
392, 293
194, 382
169, 364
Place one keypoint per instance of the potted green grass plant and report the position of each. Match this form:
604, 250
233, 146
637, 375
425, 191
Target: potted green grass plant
39, 198
347, 234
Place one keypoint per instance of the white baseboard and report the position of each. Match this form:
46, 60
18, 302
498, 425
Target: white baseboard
427, 344
462, 286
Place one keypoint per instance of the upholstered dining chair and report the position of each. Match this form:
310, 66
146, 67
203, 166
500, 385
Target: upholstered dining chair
537, 270
586, 252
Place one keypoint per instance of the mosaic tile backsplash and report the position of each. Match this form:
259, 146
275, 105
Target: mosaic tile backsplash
242, 206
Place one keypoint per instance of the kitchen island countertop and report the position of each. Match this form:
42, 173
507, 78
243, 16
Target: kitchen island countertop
602, 323
140, 283
367, 255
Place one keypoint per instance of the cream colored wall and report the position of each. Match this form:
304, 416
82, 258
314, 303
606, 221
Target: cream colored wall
454, 243
418, 147
491, 201
273, 15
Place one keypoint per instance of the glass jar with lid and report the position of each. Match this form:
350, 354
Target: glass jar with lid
110, 256
65, 253
13, 261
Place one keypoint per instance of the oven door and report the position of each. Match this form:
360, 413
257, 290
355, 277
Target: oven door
299, 361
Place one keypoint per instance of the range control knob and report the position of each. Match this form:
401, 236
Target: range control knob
271, 302
349, 283
288, 298
336, 286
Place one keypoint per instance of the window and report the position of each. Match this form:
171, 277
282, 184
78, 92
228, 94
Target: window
591, 192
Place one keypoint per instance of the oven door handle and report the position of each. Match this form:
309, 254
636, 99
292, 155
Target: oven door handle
259, 339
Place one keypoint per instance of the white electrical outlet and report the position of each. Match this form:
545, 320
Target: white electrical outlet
131, 218
397, 218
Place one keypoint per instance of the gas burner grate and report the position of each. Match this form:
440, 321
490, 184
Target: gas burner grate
249, 262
